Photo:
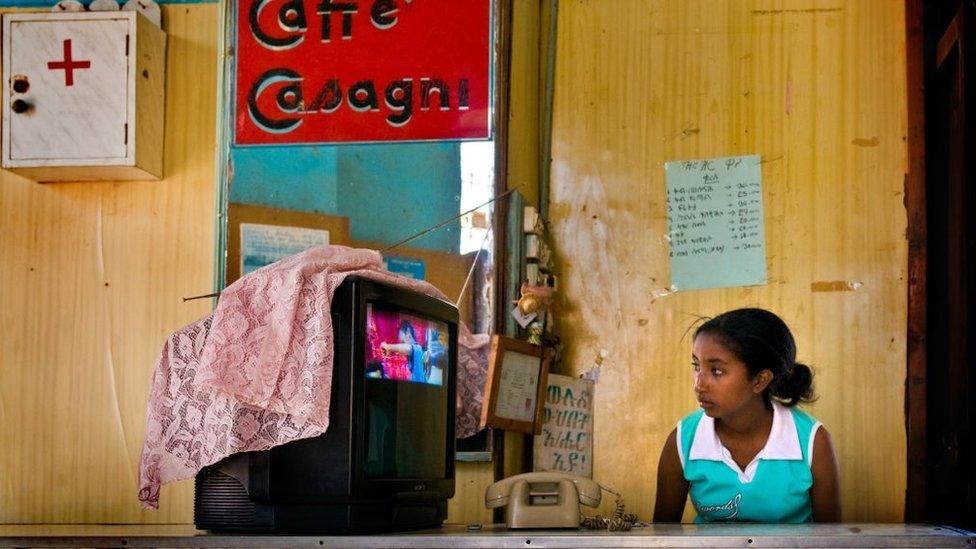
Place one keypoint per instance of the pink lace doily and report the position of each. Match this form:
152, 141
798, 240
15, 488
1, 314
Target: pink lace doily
255, 374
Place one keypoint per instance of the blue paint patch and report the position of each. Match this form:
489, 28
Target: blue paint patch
407, 266
393, 191
293, 178
388, 191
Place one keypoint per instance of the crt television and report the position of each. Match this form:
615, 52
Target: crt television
386, 461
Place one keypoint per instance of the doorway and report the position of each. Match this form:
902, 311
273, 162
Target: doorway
940, 194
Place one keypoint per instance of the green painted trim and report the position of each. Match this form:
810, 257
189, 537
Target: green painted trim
515, 261
222, 151
545, 152
472, 456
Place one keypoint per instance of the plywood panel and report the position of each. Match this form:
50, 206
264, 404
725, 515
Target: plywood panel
817, 89
468, 504
524, 108
91, 283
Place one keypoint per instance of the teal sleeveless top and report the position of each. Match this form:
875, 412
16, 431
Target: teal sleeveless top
774, 488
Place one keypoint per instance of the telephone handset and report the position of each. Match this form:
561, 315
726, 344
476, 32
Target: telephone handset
543, 499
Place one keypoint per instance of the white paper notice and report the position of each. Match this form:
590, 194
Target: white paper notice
715, 223
264, 244
518, 387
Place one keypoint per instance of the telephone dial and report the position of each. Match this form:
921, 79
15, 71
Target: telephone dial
543, 499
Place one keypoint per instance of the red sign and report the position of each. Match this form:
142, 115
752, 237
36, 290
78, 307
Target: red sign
326, 71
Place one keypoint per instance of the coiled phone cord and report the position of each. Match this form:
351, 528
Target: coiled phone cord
620, 521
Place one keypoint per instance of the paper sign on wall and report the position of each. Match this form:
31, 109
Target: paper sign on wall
264, 244
715, 222
406, 266
566, 442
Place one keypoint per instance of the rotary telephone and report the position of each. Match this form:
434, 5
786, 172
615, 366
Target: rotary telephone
543, 499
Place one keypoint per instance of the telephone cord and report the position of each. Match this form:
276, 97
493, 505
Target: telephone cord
620, 521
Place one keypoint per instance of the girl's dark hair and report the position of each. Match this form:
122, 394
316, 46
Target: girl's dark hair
405, 326
762, 341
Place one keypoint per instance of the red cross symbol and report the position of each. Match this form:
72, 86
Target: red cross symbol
68, 65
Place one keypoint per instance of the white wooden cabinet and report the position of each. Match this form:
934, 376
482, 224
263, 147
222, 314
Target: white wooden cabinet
83, 96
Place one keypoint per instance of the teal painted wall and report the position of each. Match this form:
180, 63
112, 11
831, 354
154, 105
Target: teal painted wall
294, 178
388, 191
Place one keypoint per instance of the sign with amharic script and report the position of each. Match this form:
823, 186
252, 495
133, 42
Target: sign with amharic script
566, 442
341, 71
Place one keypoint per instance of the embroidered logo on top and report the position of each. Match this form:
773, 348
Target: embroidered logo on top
726, 511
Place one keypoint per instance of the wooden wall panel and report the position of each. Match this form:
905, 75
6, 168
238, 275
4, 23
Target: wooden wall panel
524, 101
468, 504
817, 89
91, 281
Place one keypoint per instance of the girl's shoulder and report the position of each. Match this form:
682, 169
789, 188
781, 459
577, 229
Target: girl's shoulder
806, 429
690, 421
804, 421
685, 432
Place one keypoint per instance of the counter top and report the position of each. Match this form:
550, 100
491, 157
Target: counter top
461, 537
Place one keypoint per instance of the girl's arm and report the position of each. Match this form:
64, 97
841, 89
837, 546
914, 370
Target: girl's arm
825, 492
672, 488
400, 348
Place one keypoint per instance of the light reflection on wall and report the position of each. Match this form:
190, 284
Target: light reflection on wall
477, 184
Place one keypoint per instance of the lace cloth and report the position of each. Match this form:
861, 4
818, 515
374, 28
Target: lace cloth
255, 374
473, 352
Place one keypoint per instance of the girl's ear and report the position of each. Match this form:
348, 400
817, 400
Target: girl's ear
761, 381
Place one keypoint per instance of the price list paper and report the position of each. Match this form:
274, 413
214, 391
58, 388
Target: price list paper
715, 222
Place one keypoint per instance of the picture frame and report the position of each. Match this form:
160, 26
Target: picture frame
516, 385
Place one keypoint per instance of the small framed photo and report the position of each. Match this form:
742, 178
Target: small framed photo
516, 385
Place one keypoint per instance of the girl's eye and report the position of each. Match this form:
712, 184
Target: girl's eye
695, 367
717, 372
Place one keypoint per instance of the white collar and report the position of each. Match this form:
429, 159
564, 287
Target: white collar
783, 442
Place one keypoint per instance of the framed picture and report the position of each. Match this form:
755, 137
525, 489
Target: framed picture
516, 385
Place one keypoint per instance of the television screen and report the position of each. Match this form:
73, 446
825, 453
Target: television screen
405, 347
407, 368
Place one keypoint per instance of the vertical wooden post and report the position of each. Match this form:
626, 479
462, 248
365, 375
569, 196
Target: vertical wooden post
915, 386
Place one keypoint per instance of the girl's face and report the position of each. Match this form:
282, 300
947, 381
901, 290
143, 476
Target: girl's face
404, 336
722, 383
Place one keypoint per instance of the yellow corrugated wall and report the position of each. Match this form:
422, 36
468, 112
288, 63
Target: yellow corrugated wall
816, 88
91, 276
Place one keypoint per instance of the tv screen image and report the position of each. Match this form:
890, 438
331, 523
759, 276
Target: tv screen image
405, 357
405, 347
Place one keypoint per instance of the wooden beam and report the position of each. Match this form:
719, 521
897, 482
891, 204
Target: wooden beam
915, 385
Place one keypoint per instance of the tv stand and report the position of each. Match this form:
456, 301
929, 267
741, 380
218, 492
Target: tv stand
235, 511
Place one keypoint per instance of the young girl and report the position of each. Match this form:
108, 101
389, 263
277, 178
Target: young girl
748, 454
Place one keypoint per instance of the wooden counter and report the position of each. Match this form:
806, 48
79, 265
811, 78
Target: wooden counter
460, 537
